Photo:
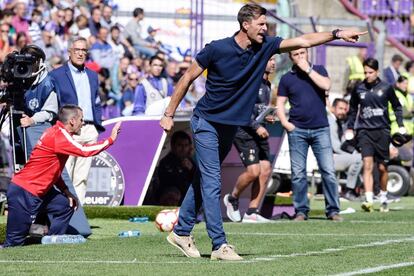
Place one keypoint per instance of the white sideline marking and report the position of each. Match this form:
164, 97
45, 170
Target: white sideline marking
342, 248
255, 260
315, 234
375, 269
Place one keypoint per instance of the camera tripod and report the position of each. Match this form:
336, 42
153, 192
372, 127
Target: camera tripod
18, 142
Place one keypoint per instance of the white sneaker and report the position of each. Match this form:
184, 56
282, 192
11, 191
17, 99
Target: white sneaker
233, 212
185, 243
226, 252
254, 218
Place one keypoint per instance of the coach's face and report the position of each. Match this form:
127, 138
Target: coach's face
78, 53
256, 29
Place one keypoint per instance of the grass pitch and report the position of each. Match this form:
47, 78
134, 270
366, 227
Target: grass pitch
375, 242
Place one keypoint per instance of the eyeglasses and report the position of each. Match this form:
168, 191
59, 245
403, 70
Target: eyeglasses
5, 31
78, 51
133, 79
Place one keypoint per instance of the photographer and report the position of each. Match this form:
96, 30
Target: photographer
40, 105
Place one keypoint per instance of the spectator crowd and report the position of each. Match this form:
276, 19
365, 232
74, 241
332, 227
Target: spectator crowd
121, 55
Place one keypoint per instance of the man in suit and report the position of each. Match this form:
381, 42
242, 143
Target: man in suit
78, 85
391, 73
343, 161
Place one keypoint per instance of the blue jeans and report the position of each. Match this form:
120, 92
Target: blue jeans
212, 142
24, 207
320, 141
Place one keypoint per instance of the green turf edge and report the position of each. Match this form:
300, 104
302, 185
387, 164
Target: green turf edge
123, 212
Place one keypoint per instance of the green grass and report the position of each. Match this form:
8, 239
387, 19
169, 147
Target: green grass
314, 247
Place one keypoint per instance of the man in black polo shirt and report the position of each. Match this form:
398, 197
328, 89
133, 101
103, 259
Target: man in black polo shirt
305, 85
235, 67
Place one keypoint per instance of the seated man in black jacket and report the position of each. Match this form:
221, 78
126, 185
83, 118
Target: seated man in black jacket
176, 170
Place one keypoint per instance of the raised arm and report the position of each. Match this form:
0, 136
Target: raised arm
314, 39
181, 89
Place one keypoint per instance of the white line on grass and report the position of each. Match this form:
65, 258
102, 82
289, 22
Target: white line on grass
375, 269
342, 248
316, 234
255, 260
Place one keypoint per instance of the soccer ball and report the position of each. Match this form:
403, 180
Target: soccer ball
166, 220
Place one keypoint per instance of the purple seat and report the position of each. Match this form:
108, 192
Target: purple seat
398, 29
385, 7
405, 7
367, 7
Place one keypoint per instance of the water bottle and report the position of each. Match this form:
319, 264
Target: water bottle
58, 239
139, 219
127, 234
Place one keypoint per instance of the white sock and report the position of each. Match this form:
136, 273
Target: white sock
383, 196
369, 197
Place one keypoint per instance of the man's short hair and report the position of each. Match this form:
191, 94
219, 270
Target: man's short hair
397, 57
137, 11
339, 100
156, 58
67, 112
36, 12
114, 27
249, 12
179, 135
76, 39
371, 63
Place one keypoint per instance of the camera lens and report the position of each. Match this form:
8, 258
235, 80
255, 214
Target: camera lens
22, 69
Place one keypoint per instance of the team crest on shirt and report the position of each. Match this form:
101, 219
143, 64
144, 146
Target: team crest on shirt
380, 93
33, 104
152, 95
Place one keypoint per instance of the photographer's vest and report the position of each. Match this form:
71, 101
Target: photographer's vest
407, 107
356, 69
152, 93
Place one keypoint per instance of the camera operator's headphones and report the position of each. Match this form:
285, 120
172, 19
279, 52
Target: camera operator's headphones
40, 56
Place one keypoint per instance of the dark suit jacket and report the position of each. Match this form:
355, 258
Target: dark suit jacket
62, 78
389, 76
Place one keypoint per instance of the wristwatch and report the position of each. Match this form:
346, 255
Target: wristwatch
335, 33
309, 70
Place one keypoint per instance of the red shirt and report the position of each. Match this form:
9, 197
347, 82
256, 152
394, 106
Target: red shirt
48, 158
